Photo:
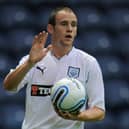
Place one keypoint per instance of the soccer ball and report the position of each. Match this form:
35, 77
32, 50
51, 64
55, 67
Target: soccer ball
68, 94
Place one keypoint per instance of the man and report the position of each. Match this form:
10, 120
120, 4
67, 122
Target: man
44, 66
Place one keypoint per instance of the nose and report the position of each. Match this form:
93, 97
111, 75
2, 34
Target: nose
69, 28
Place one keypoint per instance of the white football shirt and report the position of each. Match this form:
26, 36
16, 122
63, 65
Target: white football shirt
39, 110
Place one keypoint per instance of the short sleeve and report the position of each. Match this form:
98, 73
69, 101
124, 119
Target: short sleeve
95, 86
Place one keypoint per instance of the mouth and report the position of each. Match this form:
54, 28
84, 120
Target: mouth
69, 37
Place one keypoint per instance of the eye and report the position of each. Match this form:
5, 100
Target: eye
64, 23
74, 24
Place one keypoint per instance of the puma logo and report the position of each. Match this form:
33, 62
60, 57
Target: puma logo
41, 69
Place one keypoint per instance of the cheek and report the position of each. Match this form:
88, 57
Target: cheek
59, 33
75, 33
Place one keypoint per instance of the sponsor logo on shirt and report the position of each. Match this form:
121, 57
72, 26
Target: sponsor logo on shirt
73, 72
40, 90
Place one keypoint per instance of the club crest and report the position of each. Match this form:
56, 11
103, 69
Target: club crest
73, 72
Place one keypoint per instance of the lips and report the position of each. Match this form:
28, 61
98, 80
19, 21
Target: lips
68, 36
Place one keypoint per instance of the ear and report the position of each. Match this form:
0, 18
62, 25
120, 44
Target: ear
50, 28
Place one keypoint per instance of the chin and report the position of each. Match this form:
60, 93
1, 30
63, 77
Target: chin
67, 43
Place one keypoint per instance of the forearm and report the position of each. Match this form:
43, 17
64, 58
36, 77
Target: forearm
12, 80
91, 114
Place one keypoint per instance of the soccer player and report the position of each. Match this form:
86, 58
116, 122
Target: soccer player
42, 67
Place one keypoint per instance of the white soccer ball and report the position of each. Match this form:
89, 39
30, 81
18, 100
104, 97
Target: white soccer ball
68, 94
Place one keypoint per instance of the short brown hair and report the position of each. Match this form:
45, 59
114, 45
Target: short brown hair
52, 20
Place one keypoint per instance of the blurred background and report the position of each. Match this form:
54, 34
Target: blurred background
103, 32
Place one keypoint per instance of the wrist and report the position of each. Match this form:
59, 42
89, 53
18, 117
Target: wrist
30, 64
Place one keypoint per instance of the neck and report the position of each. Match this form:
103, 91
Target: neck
60, 51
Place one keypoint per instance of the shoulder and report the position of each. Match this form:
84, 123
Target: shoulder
90, 62
84, 55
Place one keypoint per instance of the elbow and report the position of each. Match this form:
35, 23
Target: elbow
6, 86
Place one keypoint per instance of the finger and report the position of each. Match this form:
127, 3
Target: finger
43, 37
35, 39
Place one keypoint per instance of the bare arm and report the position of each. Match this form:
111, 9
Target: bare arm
12, 80
91, 114
37, 52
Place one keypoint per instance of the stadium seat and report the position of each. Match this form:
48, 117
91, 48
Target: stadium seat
2, 94
108, 123
122, 43
117, 94
1, 118
38, 2
110, 3
10, 97
17, 98
4, 98
21, 41
13, 115
15, 16
5, 64
96, 42
118, 18
83, 3
89, 17
3, 43
123, 118
12, 1
43, 14
126, 69
112, 67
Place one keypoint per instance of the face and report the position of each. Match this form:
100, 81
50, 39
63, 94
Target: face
65, 30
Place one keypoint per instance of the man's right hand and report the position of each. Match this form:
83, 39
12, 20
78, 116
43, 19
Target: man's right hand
38, 51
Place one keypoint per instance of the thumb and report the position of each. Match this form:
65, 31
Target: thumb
49, 47
45, 50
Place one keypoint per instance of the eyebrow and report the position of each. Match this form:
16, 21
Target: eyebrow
64, 21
